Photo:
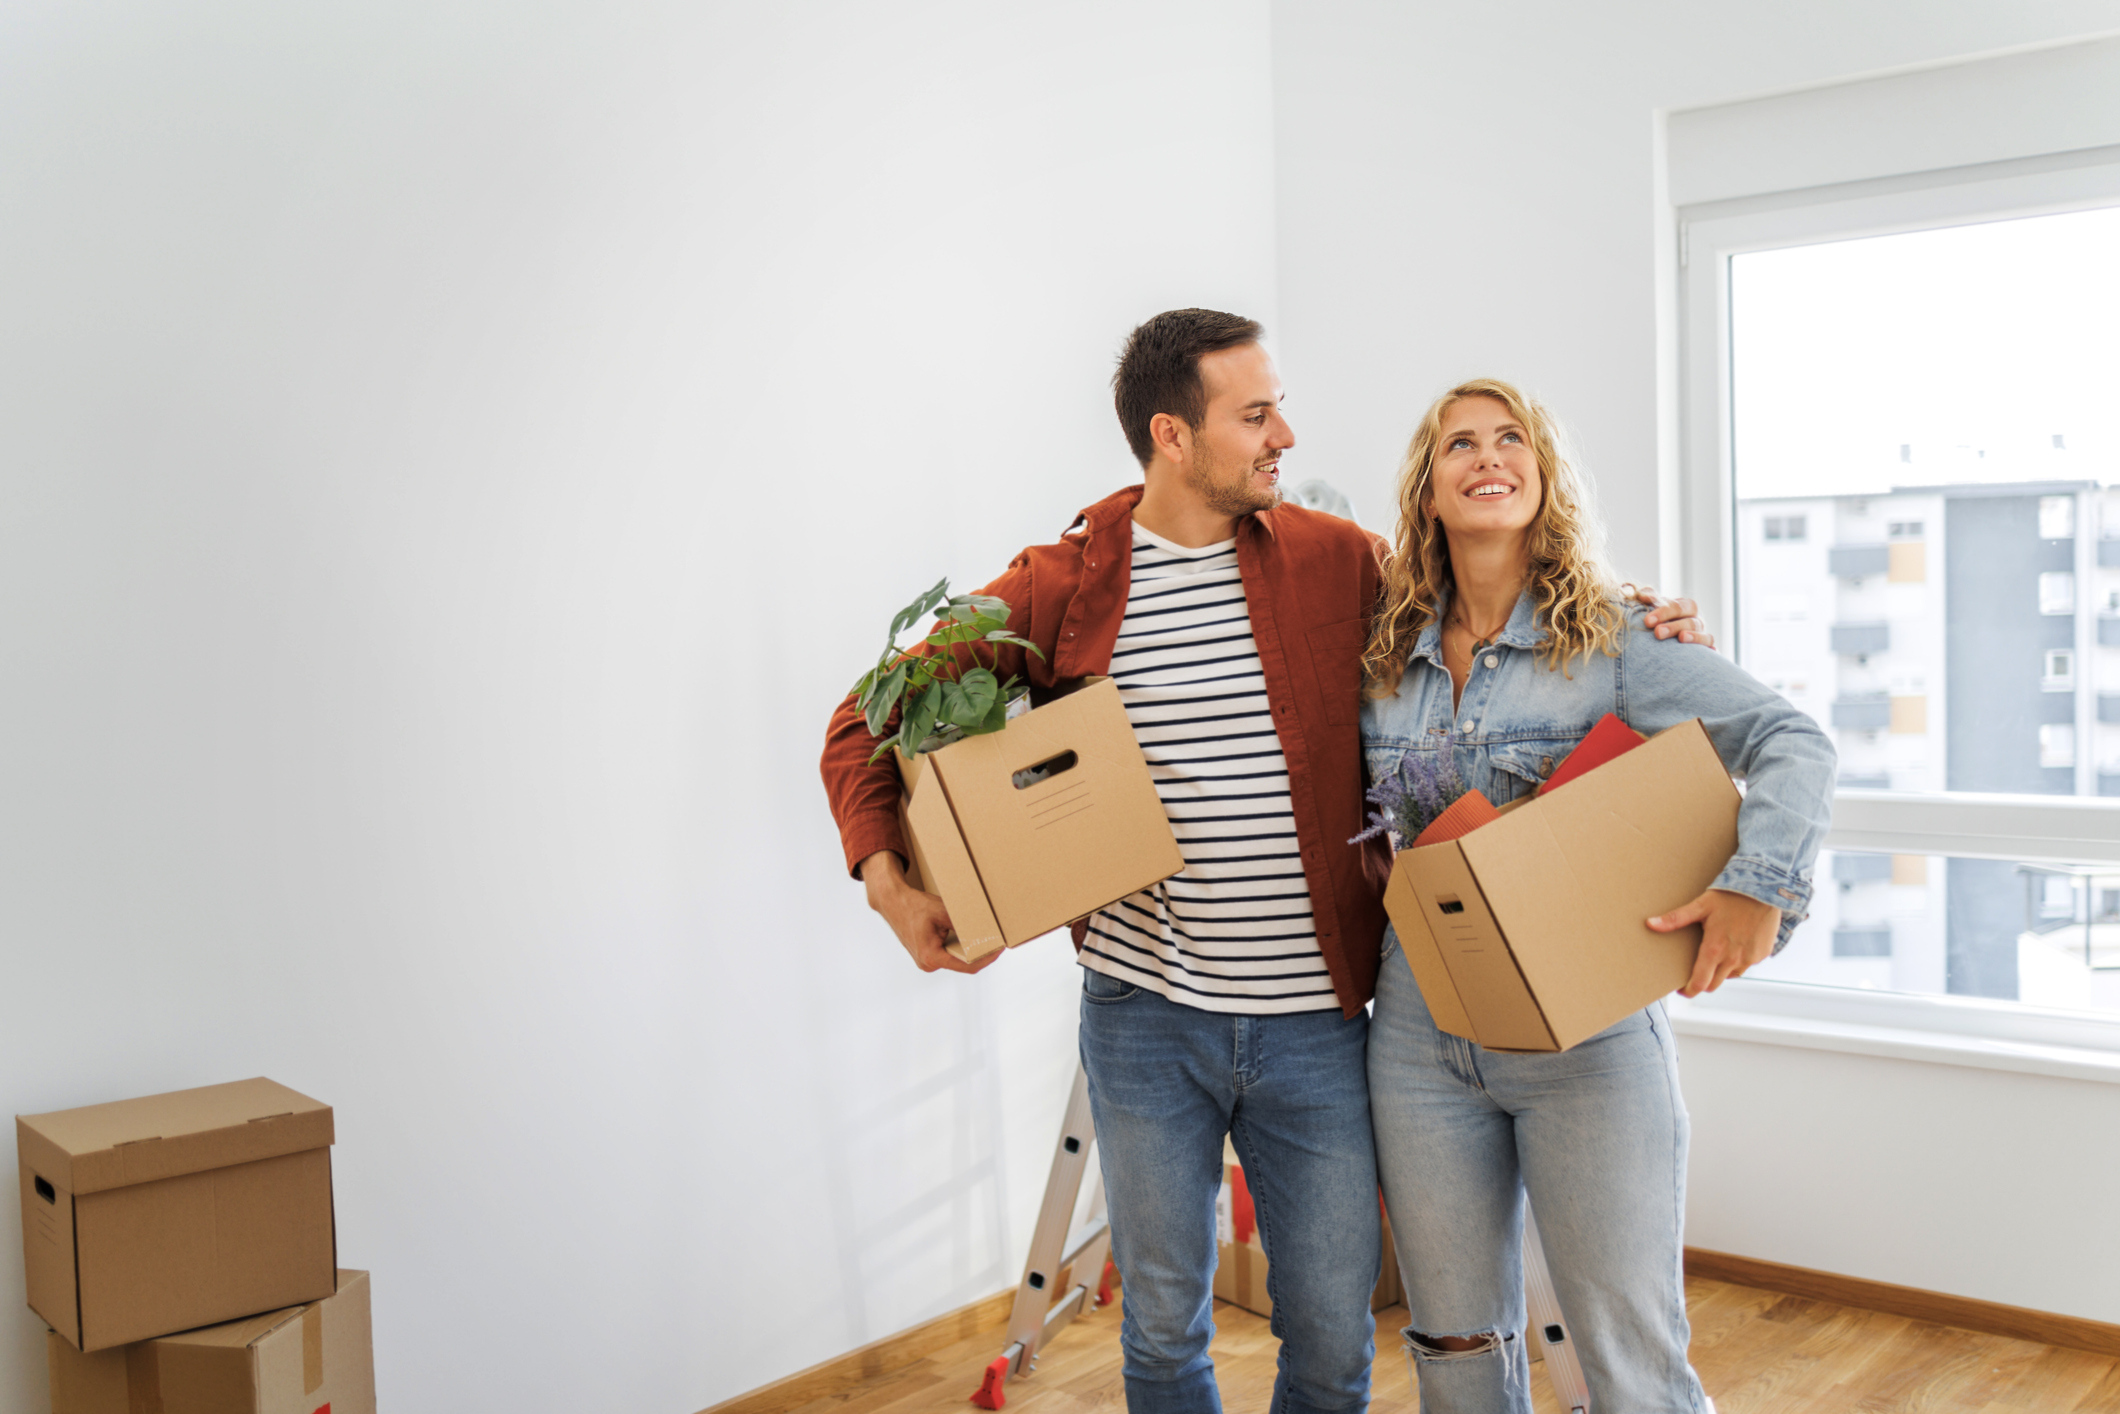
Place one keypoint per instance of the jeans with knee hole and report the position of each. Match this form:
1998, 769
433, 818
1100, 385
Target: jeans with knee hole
1166, 1084
1597, 1136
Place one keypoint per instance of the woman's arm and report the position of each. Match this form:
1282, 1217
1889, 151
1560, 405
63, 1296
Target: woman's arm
1788, 768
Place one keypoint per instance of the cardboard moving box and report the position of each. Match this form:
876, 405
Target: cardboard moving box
1529, 933
1240, 1267
314, 1359
176, 1211
1012, 862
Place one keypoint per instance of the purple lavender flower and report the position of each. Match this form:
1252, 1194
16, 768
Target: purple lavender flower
1421, 787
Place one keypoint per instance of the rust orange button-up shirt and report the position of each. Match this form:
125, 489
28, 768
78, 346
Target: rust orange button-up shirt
1310, 580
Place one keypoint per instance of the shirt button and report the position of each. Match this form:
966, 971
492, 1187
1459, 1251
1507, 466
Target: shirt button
1465, 727
1492, 660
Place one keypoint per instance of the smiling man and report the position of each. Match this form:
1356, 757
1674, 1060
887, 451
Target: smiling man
1230, 999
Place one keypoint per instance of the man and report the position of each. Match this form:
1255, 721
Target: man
1228, 1000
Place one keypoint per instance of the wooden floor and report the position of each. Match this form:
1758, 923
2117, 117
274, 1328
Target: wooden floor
1757, 1353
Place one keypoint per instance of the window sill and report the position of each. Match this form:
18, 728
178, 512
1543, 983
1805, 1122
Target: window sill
1963, 1031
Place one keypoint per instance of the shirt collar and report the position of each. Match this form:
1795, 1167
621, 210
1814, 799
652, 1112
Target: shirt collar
1522, 630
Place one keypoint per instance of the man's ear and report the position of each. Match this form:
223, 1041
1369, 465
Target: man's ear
1172, 438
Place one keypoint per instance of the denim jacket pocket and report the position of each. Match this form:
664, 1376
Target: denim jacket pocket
1529, 763
1336, 659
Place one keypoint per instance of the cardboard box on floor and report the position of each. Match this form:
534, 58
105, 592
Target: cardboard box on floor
1240, 1267
304, 1360
1013, 863
1528, 934
162, 1214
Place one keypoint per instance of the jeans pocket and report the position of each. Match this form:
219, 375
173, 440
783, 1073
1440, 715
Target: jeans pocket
1097, 987
1391, 943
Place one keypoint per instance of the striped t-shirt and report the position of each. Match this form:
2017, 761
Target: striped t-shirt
1232, 931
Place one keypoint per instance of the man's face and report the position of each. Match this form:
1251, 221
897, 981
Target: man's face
1236, 451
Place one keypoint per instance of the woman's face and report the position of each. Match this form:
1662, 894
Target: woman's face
1486, 480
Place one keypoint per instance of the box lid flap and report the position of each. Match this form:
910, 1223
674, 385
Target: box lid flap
99, 1147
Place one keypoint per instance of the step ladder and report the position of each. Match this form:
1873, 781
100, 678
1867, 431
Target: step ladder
1063, 1278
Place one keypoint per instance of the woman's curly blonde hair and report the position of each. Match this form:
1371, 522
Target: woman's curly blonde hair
1575, 604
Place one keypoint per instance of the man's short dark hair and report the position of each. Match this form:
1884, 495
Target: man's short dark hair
1159, 370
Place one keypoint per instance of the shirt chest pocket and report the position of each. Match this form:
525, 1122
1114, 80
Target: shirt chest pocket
1336, 659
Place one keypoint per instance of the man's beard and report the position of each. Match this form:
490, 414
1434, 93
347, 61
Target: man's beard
1226, 495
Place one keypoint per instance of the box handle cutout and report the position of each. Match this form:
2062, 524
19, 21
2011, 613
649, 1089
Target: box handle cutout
1449, 904
48, 1193
1044, 771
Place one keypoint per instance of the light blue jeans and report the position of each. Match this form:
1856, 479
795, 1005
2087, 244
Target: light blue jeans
1597, 1135
1166, 1083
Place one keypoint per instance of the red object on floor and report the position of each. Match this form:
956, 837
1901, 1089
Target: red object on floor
323, 1409
1609, 738
990, 1394
1104, 1283
1466, 814
1242, 1217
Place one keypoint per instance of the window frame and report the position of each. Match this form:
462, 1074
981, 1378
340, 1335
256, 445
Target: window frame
2078, 829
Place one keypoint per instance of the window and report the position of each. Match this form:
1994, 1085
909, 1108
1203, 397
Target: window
2057, 592
1974, 743
2057, 515
1784, 527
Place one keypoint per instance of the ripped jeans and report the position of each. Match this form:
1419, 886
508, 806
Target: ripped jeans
1597, 1134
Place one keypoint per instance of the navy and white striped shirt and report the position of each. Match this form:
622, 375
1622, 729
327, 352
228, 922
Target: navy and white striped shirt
1232, 931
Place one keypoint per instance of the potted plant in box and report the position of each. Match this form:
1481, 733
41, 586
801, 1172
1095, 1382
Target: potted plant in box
938, 687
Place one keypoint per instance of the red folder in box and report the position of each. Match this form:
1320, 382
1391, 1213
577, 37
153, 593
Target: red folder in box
1608, 739
1466, 814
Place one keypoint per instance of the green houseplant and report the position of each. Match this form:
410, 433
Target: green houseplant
938, 687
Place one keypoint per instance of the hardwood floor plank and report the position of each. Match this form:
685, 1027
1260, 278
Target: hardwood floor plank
1758, 1352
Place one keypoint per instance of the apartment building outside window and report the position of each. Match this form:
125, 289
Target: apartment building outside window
1930, 412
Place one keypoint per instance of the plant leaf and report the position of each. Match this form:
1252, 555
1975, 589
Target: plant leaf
974, 698
919, 721
888, 690
919, 608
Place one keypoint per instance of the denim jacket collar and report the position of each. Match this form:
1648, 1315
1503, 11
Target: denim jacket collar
1522, 630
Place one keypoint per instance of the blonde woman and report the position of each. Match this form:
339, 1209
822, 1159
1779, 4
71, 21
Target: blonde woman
1496, 648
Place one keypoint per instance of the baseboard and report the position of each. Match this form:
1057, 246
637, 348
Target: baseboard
1987, 1317
893, 1353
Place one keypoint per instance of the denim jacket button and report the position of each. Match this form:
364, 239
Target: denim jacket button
1492, 660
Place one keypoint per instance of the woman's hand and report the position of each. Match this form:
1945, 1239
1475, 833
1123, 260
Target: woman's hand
1735, 933
1669, 618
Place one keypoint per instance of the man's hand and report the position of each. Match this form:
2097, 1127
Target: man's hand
1678, 618
1735, 933
919, 919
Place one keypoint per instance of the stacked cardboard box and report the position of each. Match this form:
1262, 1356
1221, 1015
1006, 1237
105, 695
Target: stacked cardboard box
1240, 1271
183, 1251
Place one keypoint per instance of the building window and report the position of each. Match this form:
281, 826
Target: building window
2057, 517
2057, 745
2057, 592
2060, 674
1905, 530
1785, 527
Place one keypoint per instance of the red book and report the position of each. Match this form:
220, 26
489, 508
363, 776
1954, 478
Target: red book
1609, 738
1466, 814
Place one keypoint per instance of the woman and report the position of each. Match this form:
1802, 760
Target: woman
1498, 645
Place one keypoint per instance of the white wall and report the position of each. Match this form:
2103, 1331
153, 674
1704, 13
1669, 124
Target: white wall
1475, 190
451, 460
1472, 190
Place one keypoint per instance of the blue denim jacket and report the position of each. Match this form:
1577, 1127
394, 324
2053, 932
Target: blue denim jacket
1519, 718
